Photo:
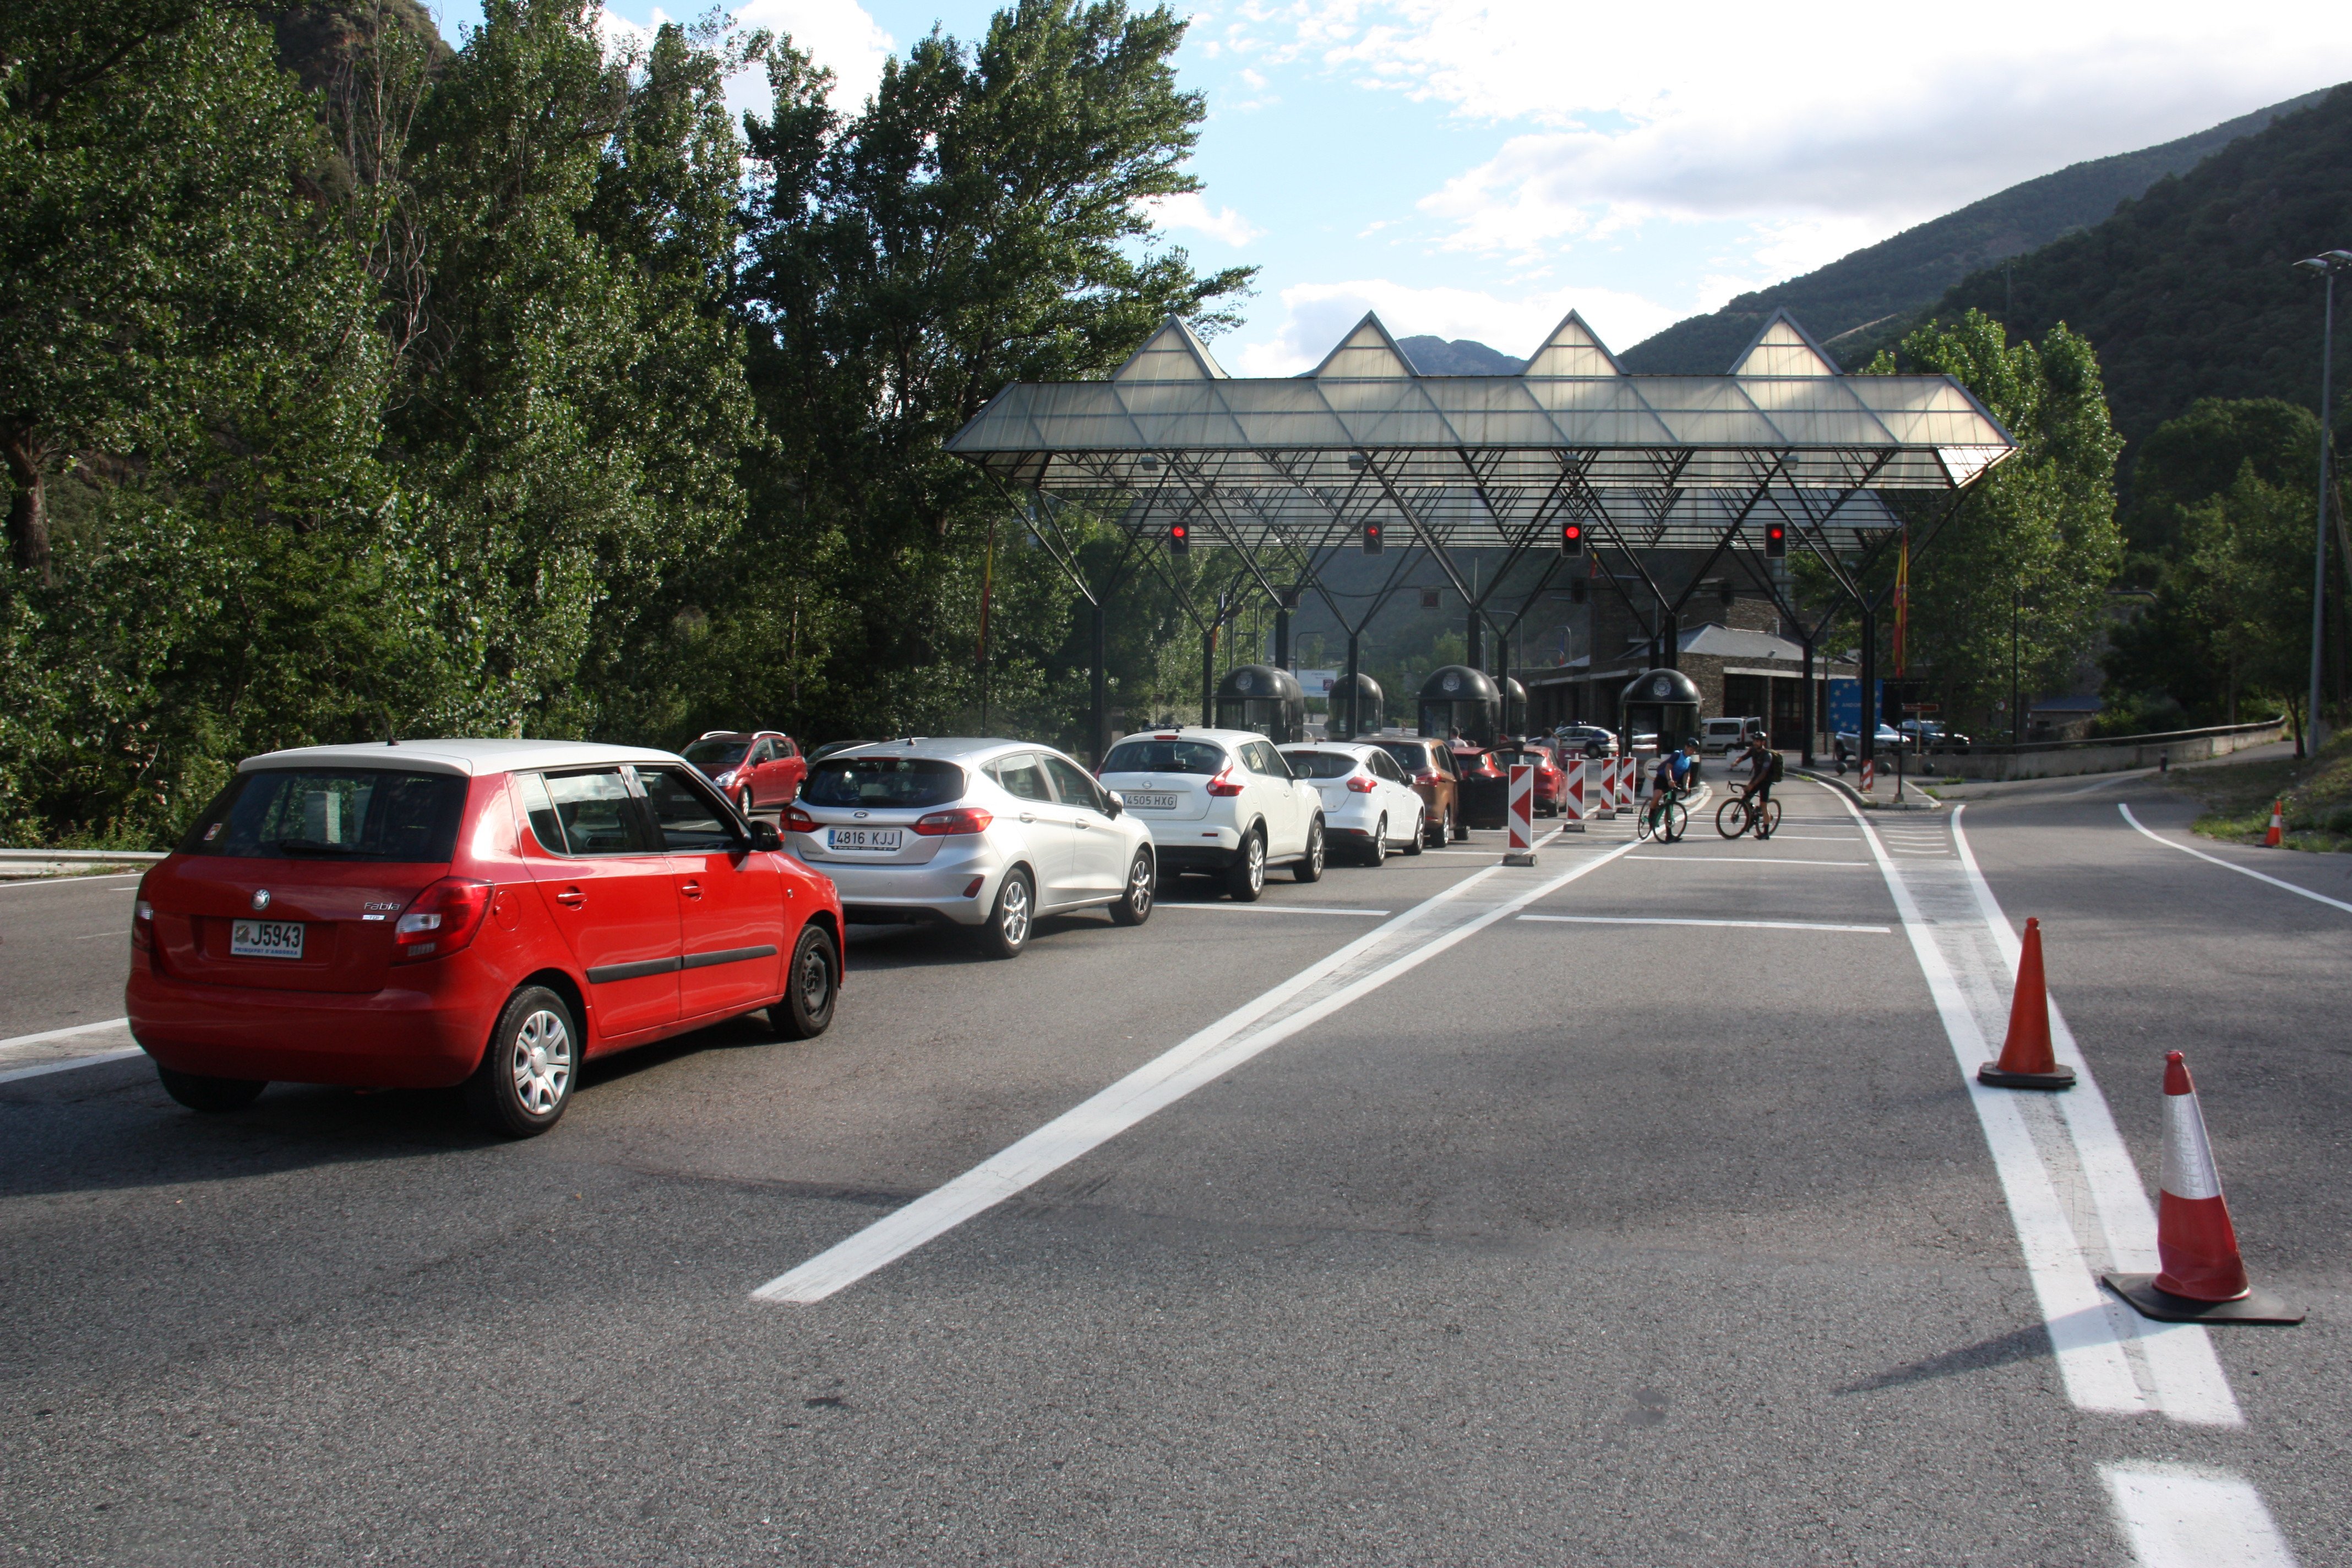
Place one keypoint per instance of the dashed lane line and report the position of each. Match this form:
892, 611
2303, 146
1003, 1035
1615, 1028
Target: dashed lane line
1751, 860
2232, 866
1278, 909
2187, 1516
41, 1069
1307, 999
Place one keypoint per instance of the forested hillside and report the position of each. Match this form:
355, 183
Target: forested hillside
1899, 276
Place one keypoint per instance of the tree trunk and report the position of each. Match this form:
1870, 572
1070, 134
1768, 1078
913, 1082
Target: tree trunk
28, 511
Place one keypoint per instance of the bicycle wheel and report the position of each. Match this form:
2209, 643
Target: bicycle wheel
1642, 827
1771, 823
1677, 822
1731, 817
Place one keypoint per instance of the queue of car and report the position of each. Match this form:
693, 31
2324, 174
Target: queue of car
490, 914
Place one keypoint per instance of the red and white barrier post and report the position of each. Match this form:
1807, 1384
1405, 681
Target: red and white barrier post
1604, 801
1521, 819
1629, 774
1869, 775
1571, 810
2203, 1279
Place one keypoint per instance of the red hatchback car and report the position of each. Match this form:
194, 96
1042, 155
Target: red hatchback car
480, 913
759, 769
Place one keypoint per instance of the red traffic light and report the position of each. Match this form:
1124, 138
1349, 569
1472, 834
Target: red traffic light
1571, 538
1180, 538
1372, 539
1775, 539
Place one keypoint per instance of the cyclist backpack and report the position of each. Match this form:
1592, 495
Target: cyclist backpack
1773, 773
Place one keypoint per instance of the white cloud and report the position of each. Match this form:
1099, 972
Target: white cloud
1191, 210
1880, 114
1318, 315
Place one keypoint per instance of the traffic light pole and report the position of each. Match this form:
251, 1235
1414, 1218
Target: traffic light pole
1866, 728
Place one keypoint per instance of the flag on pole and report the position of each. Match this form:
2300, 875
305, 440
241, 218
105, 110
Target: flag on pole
1902, 599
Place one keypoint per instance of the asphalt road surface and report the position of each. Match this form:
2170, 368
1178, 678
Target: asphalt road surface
1632, 1208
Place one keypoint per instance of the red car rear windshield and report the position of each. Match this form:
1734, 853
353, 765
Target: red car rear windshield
333, 814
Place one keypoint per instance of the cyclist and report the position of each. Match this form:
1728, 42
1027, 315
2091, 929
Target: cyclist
1764, 767
1674, 767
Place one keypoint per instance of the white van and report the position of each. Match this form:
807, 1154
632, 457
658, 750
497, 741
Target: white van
1720, 737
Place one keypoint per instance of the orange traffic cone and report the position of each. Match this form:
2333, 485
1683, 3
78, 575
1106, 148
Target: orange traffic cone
2203, 1279
2026, 1059
2278, 825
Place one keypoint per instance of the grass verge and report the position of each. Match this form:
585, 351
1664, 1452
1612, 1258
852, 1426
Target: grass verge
2237, 798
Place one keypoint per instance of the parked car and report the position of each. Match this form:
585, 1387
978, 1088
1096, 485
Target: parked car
1721, 737
1429, 766
1369, 806
1551, 785
1884, 741
1592, 740
1220, 801
1927, 734
987, 835
488, 913
757, 770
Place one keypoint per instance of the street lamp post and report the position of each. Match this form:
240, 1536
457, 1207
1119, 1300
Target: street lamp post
2326, 266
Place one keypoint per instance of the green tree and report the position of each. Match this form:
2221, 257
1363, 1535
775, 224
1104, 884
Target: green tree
2200, 456
2038, 531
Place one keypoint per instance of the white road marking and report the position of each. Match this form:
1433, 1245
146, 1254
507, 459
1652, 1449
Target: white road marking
1752, 860
1662, 921
2183, 1374
1817, 837
1276, 908
66, 1034
95, 935
41, 1069
1207, 1055
2182, 1516
2232, 866
2104, 780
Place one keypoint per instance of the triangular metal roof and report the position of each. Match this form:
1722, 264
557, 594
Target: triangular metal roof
1784, 348
1574, 349
1367, 353
1172, 353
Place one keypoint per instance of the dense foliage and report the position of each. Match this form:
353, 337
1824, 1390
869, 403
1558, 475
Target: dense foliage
418, 391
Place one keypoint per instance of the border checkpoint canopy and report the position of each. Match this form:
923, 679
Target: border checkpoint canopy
1648, 462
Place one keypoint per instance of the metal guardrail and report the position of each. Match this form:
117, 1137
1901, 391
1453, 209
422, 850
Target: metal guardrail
88, 857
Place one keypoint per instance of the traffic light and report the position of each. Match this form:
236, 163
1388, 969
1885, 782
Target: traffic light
1180, 539
1776, 539
1571, 538
1373, 545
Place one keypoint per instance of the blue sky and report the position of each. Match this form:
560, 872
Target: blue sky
1474, 168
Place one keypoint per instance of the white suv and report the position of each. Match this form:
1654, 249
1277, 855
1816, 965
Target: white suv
1220, 801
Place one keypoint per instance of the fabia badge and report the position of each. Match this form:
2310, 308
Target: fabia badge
1452, 683
1244, 682
1661, 685
261, 897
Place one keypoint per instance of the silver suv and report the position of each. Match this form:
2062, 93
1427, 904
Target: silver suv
1220, 801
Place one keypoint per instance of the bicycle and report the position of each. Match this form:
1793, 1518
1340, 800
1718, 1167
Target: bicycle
1734, 818
1668, 822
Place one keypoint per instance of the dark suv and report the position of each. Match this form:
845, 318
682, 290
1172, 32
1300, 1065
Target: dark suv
1429, 766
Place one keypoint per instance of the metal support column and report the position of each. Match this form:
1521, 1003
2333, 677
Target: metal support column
1473, 641
1099, 734
1355, 693
1209, 674
1807, 707
1281, 637
1865, 730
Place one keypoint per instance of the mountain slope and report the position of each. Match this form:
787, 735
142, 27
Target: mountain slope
1463, 356
1909, 272
2191, 290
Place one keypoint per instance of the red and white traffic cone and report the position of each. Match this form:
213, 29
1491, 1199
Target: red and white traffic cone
2277, 833
2202, 1279
2027, 1061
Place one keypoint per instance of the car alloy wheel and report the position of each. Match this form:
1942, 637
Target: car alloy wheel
525, 1079
809, 986
743, 803
1420, 833
1134, 906
1007, 930
1378, 850
1246, 880
1311, 865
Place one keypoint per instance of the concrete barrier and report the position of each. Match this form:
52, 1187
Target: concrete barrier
2107, 755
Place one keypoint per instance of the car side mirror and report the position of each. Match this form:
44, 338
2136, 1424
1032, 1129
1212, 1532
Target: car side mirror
765, 837
1112, 806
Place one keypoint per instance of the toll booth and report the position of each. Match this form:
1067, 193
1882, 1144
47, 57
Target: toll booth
1515, 707
1458, 699
1262, 698
1362, 711
1663, 701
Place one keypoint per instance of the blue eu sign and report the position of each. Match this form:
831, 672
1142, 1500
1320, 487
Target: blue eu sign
1845, 707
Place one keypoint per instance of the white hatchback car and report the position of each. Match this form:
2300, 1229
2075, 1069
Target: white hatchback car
1220, 801
983, 834
1369, 806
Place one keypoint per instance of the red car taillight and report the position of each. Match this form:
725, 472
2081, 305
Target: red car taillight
1361, 784
143, 927
1426, 778
1224, 782
443, 919
962, 819
798, 821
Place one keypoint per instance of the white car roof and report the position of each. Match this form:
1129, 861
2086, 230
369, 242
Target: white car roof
466, 758
968, 750
1357, 749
